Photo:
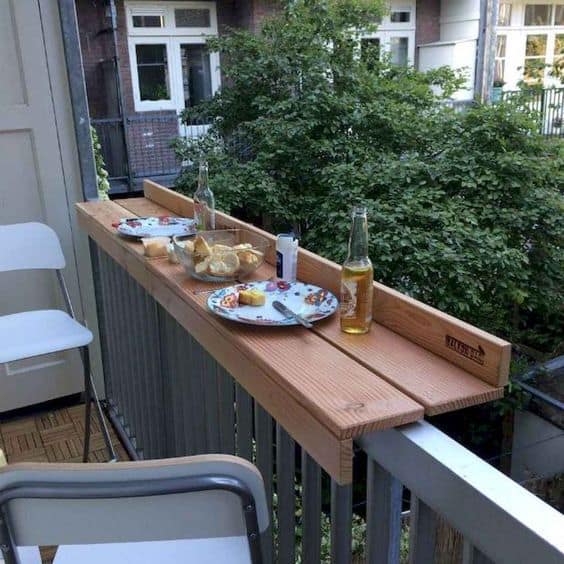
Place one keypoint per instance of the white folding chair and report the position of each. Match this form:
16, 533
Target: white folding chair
208, 509
34, 246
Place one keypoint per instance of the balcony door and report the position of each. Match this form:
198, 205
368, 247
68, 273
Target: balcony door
38, 183
197, 79
170, 65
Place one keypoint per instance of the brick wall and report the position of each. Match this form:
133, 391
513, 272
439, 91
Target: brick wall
263, 9
96, 47
427, 27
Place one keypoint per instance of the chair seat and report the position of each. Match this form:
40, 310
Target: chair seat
195, 551
33, 333
228, 550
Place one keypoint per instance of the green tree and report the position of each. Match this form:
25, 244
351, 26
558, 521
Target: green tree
465, 207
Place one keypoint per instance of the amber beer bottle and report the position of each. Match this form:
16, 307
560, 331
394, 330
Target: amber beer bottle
357, 277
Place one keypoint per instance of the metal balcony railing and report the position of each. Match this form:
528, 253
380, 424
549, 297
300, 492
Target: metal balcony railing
547, 103
142, 148
169, 397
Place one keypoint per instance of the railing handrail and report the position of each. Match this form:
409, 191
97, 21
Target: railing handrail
503, 520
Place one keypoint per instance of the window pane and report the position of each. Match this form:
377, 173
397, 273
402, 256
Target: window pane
538, 14
536, 46
559, 15
504, 14
370, 49
152, 69
559, 44
534, 70
398, 51
196, 75
400, 17
148, 21
500, 46
189, 17
499, 72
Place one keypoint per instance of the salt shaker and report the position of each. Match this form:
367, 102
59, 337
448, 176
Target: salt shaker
286, 257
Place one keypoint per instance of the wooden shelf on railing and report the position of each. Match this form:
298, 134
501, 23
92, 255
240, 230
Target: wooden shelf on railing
324, 387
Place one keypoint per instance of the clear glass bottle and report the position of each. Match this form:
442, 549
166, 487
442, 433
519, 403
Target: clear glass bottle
357, 277
204, 202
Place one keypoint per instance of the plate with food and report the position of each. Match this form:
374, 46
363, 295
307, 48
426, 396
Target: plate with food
252, 303
222, 255
161, 226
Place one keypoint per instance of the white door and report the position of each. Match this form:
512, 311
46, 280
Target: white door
32, 189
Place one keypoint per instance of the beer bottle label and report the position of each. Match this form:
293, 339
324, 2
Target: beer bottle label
349, 290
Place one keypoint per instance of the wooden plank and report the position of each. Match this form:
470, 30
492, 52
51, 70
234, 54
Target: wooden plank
429, 379
434, 382
323, 423
482, 354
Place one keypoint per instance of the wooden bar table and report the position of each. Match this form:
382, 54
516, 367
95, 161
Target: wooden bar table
325, 388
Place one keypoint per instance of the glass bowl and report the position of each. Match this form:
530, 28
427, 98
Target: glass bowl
222, 255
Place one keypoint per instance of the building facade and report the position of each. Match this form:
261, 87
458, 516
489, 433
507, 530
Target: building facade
530, 42
144, 63
145, 60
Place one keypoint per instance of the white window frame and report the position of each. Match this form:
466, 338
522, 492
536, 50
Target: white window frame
517, 41
166, 9
503, 58
151, 105
175, 43
388, 29
173, 37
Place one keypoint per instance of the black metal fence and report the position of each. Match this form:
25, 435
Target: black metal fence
547, 103
140, 146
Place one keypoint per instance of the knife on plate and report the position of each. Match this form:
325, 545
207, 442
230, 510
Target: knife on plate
289, 314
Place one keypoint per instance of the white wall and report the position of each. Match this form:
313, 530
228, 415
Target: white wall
455, 54
460, 19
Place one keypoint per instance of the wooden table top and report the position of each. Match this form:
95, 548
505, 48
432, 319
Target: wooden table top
323, 386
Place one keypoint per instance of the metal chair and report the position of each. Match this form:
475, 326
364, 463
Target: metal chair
204, 509
33, 246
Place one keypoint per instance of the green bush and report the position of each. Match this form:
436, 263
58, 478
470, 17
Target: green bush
101, 172
465, 208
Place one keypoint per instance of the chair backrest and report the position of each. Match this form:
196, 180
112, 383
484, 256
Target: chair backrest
208, 496
29, 246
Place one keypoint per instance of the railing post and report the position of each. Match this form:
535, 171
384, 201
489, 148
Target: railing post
263, 441
244, 423
311, 513
285, 492
341, 523
422, 532
383, 516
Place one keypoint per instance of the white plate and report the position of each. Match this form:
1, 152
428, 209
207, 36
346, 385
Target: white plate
164, 226
309, 301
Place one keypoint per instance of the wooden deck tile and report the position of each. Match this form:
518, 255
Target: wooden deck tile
19, 426
18, 444
53, 419
55, 436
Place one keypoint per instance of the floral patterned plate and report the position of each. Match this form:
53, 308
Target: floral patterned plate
163, 226
309, 301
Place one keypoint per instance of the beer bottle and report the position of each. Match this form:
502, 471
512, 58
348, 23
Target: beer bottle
204, 202
357, 277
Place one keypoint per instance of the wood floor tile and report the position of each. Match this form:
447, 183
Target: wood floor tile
35, 455
19, 426
63, 450
53, 419
55, 436
17, 444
